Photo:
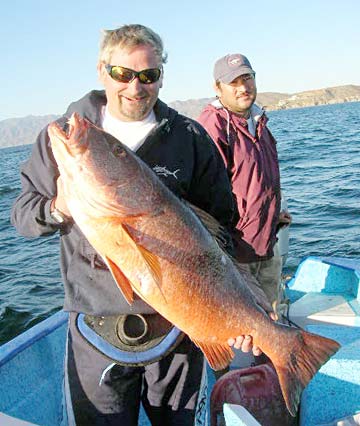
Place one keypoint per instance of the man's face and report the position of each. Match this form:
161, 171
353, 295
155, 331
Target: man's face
239, 95
131, 101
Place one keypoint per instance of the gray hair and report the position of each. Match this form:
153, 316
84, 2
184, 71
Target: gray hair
128, 37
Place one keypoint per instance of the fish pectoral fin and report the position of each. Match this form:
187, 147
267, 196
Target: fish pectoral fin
220, 234
219, 356
150, 259
121, 280
153, 265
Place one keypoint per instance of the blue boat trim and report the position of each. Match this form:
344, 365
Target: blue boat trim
349, 264
28, 338
125, 356
346, 263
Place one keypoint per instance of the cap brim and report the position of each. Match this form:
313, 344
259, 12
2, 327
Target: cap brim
228, 78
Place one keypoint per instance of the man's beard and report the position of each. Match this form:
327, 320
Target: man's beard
139, 111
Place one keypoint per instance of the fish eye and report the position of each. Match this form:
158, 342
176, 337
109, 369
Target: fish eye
118, 150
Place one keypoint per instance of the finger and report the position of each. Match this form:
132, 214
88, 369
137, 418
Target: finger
59, 184
238, 342
247, 344
273, 316
256, 351
60, 199
231, 341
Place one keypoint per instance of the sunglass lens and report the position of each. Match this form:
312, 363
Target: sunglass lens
121, 74
149, 76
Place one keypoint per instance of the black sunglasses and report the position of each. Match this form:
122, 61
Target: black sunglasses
126, 75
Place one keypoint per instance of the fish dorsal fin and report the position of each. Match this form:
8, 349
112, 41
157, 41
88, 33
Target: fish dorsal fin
149, 258
121, 280
223, 238
219, 356
257, 292
220, 234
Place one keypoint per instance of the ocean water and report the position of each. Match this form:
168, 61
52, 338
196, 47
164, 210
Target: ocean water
319, 153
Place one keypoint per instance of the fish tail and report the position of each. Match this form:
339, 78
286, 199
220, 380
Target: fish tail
295, 368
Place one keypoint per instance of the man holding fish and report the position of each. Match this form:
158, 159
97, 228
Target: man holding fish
120, 351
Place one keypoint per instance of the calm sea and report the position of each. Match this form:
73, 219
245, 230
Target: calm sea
319, 151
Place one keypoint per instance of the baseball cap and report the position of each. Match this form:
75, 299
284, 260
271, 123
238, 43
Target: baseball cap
231, 66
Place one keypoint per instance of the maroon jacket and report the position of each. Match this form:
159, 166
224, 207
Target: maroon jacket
252, 165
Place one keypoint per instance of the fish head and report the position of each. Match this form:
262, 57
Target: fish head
87, 146
70, 146
97, 167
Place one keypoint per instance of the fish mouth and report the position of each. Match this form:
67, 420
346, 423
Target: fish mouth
71, 141
76, 141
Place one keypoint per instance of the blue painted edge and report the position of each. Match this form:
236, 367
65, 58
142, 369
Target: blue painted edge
12, 348
125, 356
336, 261
290, 283
348, 263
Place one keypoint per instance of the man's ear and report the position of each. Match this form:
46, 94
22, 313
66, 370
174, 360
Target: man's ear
217, 88
161, 79
101, 72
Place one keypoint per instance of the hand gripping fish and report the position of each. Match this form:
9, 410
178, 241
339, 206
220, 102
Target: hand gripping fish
157, 247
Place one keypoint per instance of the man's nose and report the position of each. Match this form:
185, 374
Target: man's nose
242, 87
245, 84
135, 86
135, 83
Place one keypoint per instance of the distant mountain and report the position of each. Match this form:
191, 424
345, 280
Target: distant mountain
330, 95
275, 101
22, 131
193, 107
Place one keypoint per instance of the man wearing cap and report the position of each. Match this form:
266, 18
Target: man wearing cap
239, 129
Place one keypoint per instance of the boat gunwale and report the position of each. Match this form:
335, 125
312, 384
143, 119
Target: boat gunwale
18, 344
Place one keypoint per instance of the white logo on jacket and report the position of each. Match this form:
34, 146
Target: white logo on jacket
163, 171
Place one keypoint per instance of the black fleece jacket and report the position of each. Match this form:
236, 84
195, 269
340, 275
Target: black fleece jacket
177, 144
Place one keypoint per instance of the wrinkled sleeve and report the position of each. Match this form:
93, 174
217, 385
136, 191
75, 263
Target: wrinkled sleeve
30, 213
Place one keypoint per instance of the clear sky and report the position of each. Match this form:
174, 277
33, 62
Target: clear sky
49, 48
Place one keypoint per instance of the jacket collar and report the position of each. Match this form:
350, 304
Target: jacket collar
256, 111
90, 106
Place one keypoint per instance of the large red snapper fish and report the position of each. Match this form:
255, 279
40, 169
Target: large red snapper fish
156, 246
